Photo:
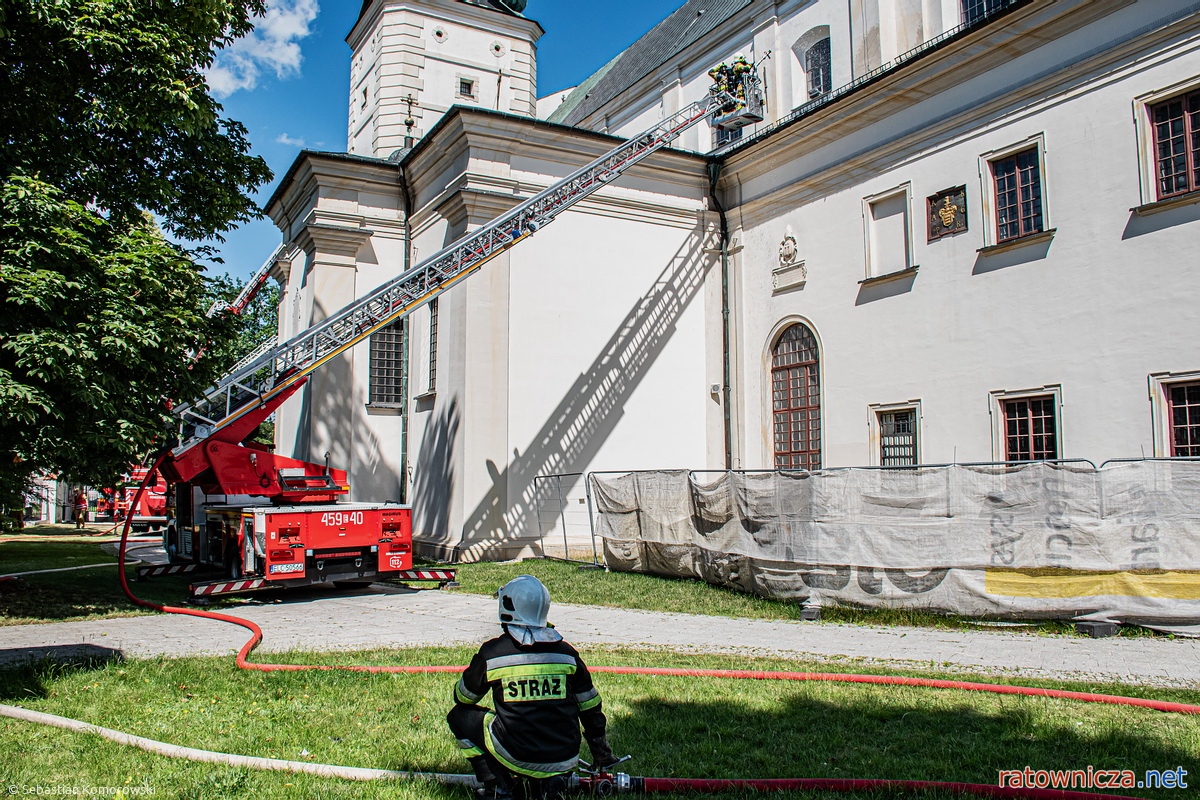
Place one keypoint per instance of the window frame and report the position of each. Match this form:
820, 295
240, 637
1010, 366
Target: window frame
1160, 384
1143, 106
826, 75
399, 355
903, 190
769, 356
988, 195
875, 412
459, 80
998, 401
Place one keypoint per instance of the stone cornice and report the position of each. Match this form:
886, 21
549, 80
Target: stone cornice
501, 160
452, 11
294, 197
330, 238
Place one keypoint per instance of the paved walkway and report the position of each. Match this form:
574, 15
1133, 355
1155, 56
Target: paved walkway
385, 616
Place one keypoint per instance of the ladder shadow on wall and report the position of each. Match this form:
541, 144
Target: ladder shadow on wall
588, 413
329, 421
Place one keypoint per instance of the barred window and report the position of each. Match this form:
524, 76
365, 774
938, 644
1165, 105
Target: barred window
796, 400
898, 438
1183, 401
1177, 144
387, 370
433, 335
1018, 195
1031, 429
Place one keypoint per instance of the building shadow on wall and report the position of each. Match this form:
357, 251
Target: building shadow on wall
433, 483
587, 414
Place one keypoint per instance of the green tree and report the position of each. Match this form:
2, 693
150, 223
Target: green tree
105, 120
106, 101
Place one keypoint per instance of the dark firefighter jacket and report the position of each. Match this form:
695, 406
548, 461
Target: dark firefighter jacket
540, 695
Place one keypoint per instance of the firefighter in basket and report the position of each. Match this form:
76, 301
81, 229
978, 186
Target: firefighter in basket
541, 692
740, 69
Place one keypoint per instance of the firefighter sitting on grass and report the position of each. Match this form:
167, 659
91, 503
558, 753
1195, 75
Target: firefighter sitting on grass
541, 692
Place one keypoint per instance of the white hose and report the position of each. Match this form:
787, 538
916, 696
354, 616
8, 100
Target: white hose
211, 757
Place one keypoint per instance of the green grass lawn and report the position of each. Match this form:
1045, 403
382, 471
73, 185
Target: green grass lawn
569, 584
95, 594
79, 594
672, 726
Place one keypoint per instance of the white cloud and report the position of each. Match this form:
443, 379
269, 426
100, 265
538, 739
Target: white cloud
273, 45
283, 138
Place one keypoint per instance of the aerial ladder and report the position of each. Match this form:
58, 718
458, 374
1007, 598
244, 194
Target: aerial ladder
213, 453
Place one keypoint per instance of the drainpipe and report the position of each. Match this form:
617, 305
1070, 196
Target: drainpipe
714, 175
406, 196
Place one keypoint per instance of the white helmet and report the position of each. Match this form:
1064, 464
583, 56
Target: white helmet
524, 605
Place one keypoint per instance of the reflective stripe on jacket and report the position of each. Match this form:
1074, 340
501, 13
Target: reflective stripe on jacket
541, 693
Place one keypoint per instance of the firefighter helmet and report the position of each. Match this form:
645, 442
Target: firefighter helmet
524, 606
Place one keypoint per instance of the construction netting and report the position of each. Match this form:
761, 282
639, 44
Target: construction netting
1037, 541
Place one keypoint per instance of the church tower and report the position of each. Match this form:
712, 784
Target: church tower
414, 59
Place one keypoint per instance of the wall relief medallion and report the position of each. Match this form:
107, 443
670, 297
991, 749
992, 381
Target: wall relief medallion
791, 272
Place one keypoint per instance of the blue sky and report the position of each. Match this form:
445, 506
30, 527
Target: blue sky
288, 82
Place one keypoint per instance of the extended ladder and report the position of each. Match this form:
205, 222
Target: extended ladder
276, 370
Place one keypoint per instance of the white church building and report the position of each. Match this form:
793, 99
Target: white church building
966, 231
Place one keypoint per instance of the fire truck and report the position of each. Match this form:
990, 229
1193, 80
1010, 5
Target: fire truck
268, 520
150, 513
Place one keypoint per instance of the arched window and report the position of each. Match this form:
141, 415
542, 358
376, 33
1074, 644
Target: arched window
812, 65
818, 68
796, 399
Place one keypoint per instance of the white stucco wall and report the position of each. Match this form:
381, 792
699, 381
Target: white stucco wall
1087, 313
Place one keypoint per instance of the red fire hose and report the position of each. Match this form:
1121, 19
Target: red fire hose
714, 785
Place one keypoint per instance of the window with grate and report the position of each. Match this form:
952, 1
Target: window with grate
1030, 429
898, 438
387, 371
796, 400
974, 10
1183, 403
818, 68
433, 334
722, 137
1177, 144
1018, 180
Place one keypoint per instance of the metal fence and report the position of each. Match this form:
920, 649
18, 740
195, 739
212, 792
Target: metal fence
563, 507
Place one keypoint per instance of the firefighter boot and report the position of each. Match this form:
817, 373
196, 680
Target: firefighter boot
494, 787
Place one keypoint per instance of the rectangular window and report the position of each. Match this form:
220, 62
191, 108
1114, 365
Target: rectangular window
898, 438
722, 137
974, 10
433, 334
1018, 182
387, 372
1176, 125
1183, 407
888, 243
466, 88
1030, 429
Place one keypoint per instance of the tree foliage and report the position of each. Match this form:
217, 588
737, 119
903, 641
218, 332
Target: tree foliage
107, 131
106, 101
102, 327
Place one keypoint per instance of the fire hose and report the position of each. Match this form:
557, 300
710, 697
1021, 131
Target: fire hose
602, 783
